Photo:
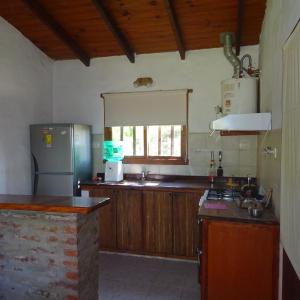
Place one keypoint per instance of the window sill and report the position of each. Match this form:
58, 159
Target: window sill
155, 161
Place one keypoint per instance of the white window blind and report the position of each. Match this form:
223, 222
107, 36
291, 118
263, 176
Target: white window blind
290, 174
145, 108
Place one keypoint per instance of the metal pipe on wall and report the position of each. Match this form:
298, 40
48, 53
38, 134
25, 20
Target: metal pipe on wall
227, 41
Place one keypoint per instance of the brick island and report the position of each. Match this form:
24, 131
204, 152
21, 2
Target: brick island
49, 247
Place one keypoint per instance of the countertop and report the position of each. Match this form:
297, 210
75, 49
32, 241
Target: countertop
82, 205
231, 213
182, 185
234, 213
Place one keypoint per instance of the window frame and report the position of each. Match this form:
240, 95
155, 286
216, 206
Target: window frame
163, 160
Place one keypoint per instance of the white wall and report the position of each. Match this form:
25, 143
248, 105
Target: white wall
77, 92
77, 88
32, 91
280, 19
25, 98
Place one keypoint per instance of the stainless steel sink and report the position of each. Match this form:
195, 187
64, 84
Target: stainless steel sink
150, 183
132, 183
140, 183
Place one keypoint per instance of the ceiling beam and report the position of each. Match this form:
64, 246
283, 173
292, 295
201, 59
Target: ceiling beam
239, 26
175, 27
115, 30
56, 28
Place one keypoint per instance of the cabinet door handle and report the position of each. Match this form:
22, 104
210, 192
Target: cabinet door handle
199, 252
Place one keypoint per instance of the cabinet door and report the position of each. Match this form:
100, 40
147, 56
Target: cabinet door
129, 220
157, 208
240, 261
107, 219
185, 227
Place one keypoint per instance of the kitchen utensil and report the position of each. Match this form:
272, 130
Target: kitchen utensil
212, 157
268, 199
249, 190
246, 203
255, 209
256, 212
212, 167
220, 169
231, 184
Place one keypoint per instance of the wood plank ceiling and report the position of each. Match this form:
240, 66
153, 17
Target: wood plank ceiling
84, 29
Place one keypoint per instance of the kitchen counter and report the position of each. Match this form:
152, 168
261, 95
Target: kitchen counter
49, 247
157, 218
182, 185
237, 253
82, 205
234, 213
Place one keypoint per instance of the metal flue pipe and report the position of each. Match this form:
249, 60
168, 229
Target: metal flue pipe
227, 41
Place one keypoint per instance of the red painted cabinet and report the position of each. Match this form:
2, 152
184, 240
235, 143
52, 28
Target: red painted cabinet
239, 261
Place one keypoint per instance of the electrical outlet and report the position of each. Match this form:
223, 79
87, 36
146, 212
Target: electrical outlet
270, 151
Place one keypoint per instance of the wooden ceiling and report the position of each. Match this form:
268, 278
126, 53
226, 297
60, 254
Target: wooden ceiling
67, 29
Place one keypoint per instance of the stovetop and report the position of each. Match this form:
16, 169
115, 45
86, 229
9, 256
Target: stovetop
223, 194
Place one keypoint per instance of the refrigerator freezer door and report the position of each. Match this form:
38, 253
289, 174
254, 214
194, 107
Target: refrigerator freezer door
51, 147
56, 185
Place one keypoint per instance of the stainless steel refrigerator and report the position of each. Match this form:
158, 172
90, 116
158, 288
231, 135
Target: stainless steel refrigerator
61, 158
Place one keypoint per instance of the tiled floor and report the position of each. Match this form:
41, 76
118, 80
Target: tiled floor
140, 278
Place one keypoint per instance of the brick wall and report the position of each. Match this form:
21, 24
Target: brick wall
48, 256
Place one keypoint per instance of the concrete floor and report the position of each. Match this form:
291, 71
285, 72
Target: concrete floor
141, 278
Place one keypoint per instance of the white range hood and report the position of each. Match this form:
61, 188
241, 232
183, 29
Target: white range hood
243, 122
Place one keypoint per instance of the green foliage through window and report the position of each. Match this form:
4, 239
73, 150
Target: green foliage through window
150, 141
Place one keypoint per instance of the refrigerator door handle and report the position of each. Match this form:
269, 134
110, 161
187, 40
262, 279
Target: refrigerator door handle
36, 176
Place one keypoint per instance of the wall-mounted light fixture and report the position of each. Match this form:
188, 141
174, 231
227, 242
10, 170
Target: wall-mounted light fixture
143, 81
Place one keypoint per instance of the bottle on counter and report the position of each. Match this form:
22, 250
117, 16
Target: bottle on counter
212, 173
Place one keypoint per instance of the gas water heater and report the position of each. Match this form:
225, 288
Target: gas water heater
239, 95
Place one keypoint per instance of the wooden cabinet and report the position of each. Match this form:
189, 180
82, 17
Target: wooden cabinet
242, 261
152, 222
129, 220
157, 207
185, 226
107, 219
121, 220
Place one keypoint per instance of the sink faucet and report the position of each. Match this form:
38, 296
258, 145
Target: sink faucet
144, 175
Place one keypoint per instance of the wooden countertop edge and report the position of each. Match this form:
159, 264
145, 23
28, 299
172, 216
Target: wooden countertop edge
89, 187
240, 220
52, 208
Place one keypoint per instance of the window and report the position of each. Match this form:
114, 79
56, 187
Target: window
133, 138
152, 125
165, 144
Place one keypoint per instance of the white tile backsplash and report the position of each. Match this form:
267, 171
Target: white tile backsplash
230, 142
248, 142
230, 158
239, 156
232, 171
248, 171
213, 142
248, 158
